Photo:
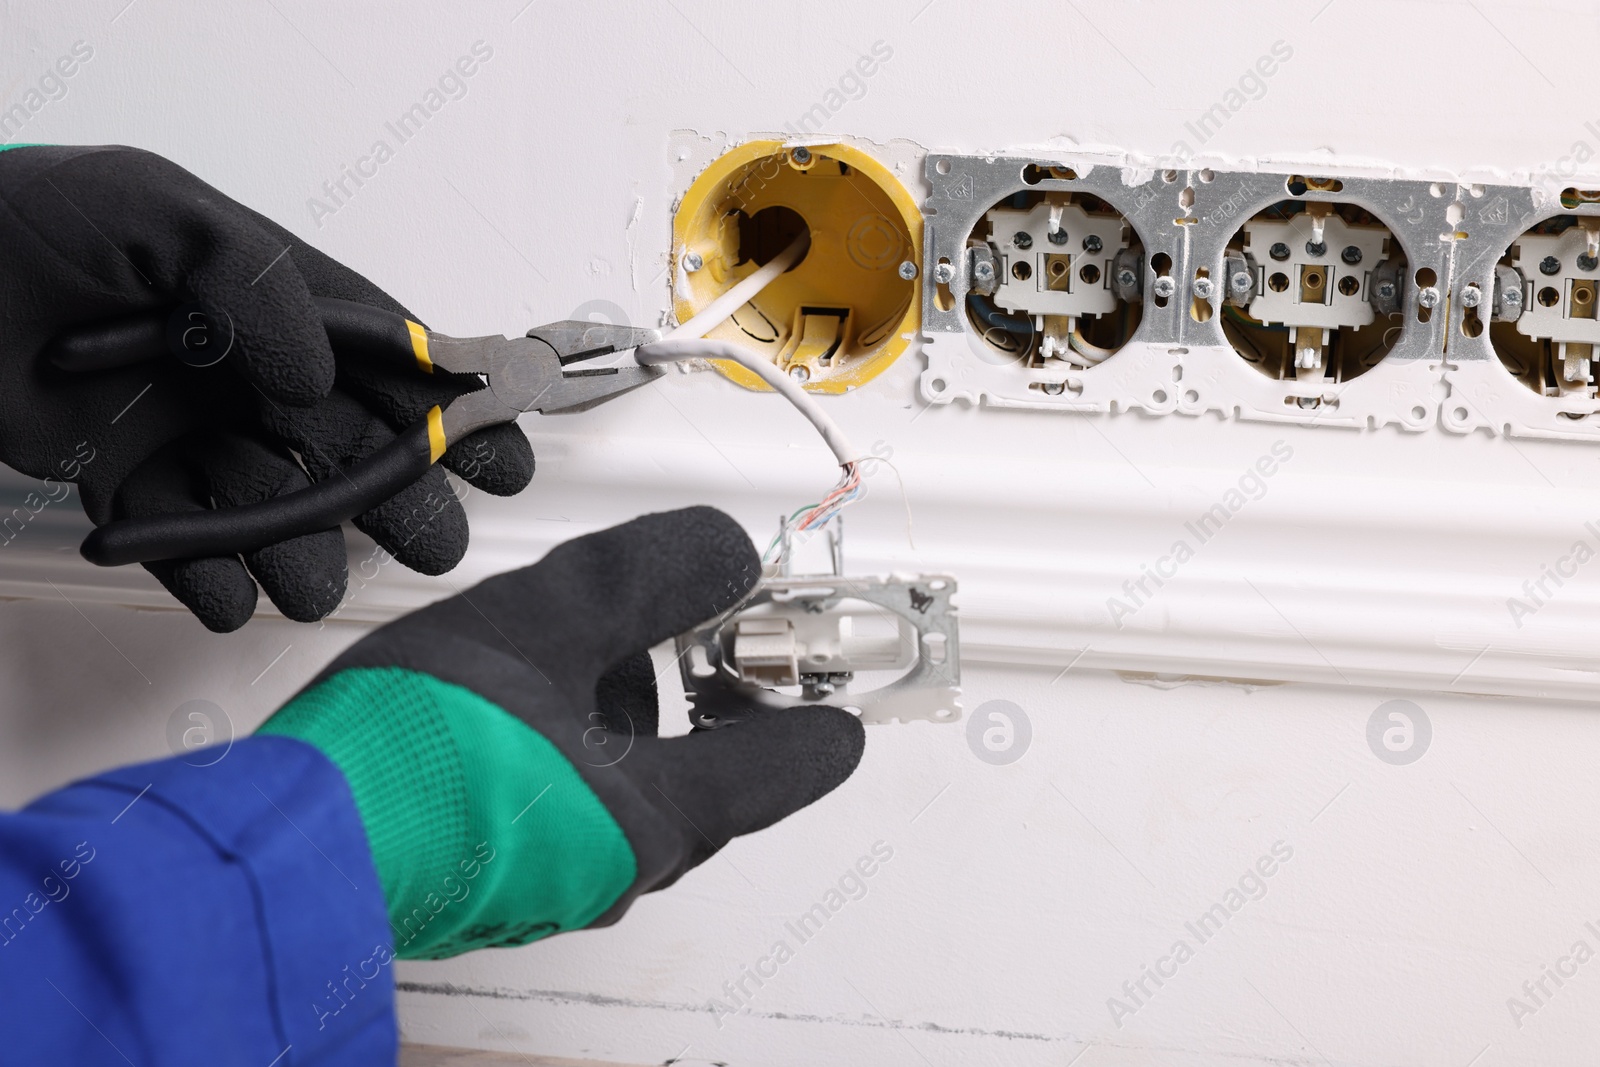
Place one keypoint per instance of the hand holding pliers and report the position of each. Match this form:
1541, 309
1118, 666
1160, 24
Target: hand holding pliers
537, 372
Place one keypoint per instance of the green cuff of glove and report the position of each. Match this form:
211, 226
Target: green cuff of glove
7, 147
483, 833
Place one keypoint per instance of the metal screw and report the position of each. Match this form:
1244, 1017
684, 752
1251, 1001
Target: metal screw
1126, 278
983, 270
1351, 255
1203, 288
1428, 297
1053, 388
1164, 287
1058, 238
1316, 248
1512, 298
799, 374
1549, 265
1587, 262
944, 273
801, 155
692, 261
1386, 290
1022, 239
1471, 296
1092, 243
908, 270
1279, 251
1241, 282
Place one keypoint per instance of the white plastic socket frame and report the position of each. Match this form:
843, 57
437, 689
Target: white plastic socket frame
886, 648
1512, 284
1181, 225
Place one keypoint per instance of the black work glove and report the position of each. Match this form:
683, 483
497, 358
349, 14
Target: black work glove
501, 745
89, 234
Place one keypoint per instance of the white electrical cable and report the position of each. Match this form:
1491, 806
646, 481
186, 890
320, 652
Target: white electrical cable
671, 351
713, 314
689, 342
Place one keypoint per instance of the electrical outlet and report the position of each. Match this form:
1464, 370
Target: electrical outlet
1522, 355
1050, 285
1327, 308
1061, 280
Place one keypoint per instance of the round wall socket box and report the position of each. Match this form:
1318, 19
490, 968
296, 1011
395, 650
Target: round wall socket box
850, 306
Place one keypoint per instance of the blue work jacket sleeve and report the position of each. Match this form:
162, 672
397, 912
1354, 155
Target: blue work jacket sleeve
172, 914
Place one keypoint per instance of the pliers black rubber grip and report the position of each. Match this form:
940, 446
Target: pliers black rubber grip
524, 374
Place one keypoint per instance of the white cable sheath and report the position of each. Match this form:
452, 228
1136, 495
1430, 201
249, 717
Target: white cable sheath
689, 342
711, 316
671, 351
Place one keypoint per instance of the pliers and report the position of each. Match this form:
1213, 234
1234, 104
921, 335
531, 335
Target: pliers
531, 373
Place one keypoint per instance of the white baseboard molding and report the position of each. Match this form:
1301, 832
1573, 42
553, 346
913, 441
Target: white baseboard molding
1350, 580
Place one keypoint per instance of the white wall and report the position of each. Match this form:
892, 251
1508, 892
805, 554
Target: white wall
1418, 898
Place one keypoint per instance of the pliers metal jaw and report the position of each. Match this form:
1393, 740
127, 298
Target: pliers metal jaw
539, 372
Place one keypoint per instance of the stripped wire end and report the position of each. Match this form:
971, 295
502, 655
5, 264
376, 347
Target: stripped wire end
815, 516
847, 491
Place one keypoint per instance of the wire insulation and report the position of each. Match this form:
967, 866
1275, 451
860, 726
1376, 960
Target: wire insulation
672, 351
713, 314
